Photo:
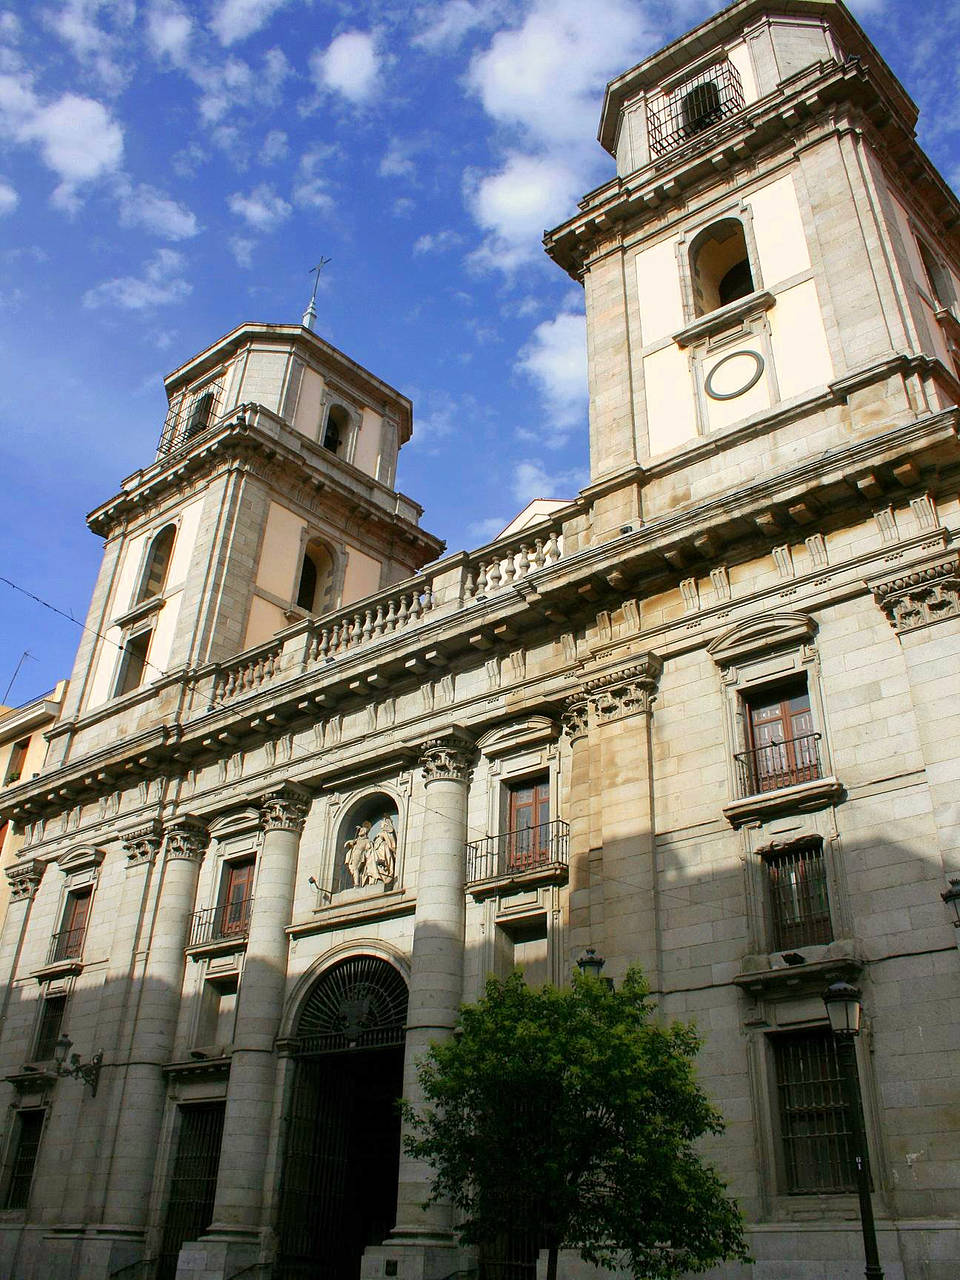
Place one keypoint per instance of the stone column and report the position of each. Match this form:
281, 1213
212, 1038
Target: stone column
140, 1092
24, 879
436, 985
582, 921
237, 1213
622, 703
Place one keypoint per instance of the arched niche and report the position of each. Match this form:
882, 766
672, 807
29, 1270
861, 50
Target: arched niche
367, 845
720, 265
316, 586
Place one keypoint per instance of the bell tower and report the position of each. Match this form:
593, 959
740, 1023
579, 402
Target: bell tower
773, 271
271, 498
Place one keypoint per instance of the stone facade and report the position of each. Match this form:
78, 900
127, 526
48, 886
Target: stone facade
703, 718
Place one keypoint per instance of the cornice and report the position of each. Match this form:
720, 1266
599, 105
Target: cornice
629, 564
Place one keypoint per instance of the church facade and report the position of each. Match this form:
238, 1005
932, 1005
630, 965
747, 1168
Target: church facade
311, 783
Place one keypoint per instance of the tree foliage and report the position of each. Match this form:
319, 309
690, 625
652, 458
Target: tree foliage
571, 1113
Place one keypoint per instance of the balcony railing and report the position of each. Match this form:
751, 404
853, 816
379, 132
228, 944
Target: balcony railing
215, 924
515, 852
779, 764
694, 107
66, 945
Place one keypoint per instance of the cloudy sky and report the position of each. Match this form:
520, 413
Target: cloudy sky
170, 168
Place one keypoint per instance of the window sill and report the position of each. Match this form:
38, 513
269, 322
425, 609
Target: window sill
139, 611
797, 799
715, 322
218, 947
839, 961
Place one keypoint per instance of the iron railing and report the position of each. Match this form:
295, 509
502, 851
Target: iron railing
514, 852
695, 106
67, 944
779, 764
230, 920
189, 417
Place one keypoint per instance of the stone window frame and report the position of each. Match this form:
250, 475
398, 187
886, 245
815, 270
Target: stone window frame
309, 536
740, 211
791, 1015
334, 399
760, 654
10, 1153
140, 617
519, 751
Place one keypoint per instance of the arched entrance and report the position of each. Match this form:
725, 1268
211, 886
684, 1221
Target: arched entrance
342, 1143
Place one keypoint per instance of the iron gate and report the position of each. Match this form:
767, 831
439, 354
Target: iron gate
193, 1186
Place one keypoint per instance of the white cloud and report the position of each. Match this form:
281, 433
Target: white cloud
397, 161
437, 242
274, 147
96, 46
8, 198
9, 26
348, 66
77, 137
556, 360
515, 204
242, 250
532, 480
542, 82
486, 530
169, 30
234, 84
310, 190
145, 206
260, 208
234, 20
160, 284
445, 27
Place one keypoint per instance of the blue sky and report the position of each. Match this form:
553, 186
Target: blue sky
170, 169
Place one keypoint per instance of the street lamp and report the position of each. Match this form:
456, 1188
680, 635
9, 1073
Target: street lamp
591, 965
844, 1007
88, 1072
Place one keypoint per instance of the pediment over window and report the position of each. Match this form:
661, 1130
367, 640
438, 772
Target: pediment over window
762, 635
239, 822
82, 857
512, 737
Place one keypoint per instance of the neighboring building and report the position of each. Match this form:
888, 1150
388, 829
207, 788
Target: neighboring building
23, 749
703, 718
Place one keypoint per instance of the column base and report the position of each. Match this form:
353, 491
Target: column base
430, 1256
106, 1249
218, 1255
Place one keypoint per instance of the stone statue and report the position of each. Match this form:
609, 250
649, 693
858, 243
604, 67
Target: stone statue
385, 851
358, 851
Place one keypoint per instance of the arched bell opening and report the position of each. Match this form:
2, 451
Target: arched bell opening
338, 1190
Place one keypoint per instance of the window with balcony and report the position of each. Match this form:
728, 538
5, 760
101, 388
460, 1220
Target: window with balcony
49, 1027
814, 1119
67, 942
799, 904
530, 842
25, 1147
694, 106
230, 918
782, 746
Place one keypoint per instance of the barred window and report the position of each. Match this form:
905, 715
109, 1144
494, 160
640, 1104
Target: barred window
799, 904
815, 1131
28, 1128
48, 1031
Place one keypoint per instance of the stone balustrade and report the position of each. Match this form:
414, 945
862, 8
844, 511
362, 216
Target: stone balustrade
247, 673
499, 567
342, 632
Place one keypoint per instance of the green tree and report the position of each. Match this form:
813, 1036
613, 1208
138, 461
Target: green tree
571, 1114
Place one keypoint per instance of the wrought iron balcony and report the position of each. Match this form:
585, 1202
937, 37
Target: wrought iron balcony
695, 106
216, 924
779, 764
66, 945
515, 852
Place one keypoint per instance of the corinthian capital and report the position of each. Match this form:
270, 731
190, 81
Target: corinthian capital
448, 758
143, 843
575, 714
285, 809
24, 878
186, 838
626, 692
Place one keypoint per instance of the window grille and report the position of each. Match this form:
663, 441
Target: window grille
694, 106
26, 1148
191, 417
799, 904
48, 1032
815, 1130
